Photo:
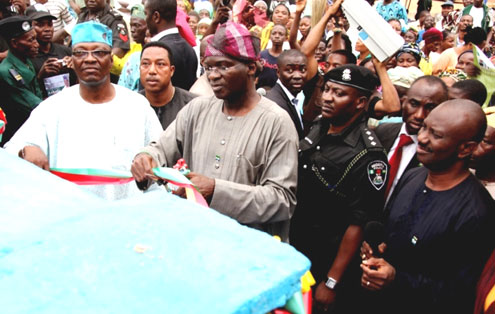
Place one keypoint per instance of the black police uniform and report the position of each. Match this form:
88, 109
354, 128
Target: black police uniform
114, 21
341, 182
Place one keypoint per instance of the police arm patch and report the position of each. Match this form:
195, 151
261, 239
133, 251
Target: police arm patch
122, 32
377, 172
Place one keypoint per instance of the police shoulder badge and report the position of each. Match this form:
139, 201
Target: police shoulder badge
346, 75
377, 172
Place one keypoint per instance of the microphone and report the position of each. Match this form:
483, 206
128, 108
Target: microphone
374, 234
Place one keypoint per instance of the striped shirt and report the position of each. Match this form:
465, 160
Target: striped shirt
58, 8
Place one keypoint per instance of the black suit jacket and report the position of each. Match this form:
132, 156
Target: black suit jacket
277, 95
387, 134
185, 60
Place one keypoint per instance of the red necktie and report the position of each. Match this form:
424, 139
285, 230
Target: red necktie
395, 160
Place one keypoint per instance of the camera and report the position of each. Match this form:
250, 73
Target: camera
62, 62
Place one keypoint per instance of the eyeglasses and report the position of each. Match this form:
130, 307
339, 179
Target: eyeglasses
98, 54
221, 69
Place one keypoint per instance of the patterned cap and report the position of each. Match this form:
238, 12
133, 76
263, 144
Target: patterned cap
14, 26
138, 11
354, 76
235, 41
432, 35
91, 32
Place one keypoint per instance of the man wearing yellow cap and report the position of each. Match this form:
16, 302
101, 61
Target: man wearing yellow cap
94, 124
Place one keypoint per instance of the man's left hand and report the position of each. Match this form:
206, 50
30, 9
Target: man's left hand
377, 274
68, 62
205, 185
324, 297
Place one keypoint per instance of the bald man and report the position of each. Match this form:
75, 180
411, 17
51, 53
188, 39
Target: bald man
437, 231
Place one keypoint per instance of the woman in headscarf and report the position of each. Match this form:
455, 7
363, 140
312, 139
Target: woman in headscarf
204, 9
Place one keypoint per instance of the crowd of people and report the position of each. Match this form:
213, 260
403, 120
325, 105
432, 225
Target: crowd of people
381, 172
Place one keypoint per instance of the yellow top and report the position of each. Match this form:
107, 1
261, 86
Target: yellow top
265, 36
118, 63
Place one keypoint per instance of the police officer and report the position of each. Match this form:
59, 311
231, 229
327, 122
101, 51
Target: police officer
342, 175
18, 82
100, 11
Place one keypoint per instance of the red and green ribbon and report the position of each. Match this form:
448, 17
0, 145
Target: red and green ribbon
3, 122
87, 176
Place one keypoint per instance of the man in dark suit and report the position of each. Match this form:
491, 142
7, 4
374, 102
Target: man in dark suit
160, 18
292, 75
401, 139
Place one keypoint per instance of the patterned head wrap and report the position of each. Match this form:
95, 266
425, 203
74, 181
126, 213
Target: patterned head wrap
412, 49
455, 74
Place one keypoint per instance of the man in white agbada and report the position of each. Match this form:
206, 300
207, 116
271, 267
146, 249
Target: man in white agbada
95, 124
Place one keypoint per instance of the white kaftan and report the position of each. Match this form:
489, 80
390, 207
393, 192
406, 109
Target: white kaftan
76, 134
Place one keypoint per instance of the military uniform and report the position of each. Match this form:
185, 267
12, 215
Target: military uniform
114, 21
341, 182
18, 83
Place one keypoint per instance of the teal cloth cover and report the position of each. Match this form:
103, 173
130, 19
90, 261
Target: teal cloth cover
63, 250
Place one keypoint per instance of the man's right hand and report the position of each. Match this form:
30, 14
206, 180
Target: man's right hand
300, 5
35, 155
334, 9
142, 167
222, 15
50, 67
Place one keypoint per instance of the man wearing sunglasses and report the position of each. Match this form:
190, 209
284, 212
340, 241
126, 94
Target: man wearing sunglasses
240, 147
94, 124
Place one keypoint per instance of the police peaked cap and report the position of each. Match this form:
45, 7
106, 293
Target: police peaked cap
354, 76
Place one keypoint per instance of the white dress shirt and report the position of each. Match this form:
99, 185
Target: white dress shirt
408, 153
157, 37
291, 97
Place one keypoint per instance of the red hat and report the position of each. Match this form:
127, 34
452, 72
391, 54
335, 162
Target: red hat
432, 35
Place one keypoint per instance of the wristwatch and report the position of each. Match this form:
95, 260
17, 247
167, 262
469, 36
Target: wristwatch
331, 283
